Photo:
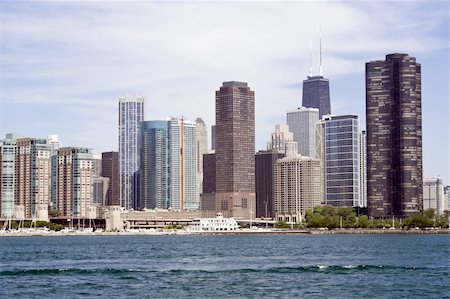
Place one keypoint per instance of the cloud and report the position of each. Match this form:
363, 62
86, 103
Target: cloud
82, 56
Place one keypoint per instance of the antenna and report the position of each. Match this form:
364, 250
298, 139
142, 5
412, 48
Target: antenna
320, 52
310, 57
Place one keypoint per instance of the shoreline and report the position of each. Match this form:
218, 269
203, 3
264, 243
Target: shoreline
238, 232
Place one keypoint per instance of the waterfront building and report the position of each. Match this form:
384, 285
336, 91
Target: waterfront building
32, 166
282, 141
297, 187
72, 182
131, 114
394, 136
217, 223
338, 149
110, 170
97, 165
201, 141
264, 181
302, 124
168, 169
235, 150
434, 195
208, 199
7, 175
362, 169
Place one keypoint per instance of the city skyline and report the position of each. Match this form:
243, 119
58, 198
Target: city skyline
64, 67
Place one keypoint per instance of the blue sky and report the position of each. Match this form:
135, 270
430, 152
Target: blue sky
64, 64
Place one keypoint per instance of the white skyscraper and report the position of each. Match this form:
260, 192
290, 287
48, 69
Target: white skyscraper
131, 114
434, 195
282, 141
302, 124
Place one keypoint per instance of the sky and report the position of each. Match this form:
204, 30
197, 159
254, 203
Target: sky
64, 64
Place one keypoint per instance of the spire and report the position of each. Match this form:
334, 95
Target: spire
320, 52
310, 57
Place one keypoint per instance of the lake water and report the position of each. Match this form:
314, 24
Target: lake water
226, 266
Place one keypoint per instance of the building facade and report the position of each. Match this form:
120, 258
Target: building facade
131, 114
434, 195
235, 150
201, 144
297, 187
7, 176
302, 124
362, 169
207, 198
338, 148
264, 181
168, 170
316, 94
110, 170
394, 136
282, 141
72, 180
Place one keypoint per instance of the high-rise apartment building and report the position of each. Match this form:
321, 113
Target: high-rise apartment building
131, 114
110, 170
25, 177
235, 150
394, 136
168, 169
33, 176
282, 141
213, 137
297, 187
434, 195
72, 182
264, 181
302, 124
337, 147
7, 175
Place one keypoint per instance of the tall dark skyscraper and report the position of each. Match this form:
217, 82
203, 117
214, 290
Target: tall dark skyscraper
235, 150
110, 169
316, 94
316, 89
394, 136
264, 166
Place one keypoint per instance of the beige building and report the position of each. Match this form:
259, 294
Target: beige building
434, 195
282, 141
297, 187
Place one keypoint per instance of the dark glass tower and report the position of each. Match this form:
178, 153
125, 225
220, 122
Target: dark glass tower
235, 150
316, 94
394, 136
110, 169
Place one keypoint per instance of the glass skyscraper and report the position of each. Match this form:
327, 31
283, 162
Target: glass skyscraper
338, 148
168, 165
131, 114
302, 124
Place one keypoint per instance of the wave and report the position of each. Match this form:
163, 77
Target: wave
299, 269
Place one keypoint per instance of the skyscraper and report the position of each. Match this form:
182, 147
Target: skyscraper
131, 114
282, 141
338, 149
434, 195
169, 165
394, 136
73, 182
110, 169
316, 94
235, 150
264, 181
297, 187
7, 175
362, 169
302, 124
